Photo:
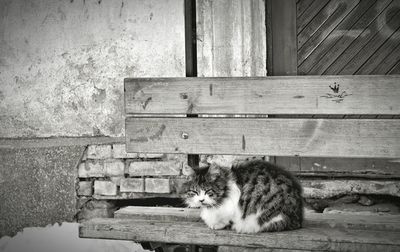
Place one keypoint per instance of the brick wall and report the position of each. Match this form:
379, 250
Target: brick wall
107, 172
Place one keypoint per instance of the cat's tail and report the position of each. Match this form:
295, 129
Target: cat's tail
280, 223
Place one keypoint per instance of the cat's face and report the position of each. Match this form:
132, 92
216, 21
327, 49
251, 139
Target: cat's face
207, 187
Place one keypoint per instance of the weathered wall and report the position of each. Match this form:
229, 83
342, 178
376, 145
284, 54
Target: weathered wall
37, 186
62, 63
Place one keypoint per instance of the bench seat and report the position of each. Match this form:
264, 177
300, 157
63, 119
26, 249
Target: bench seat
327, 232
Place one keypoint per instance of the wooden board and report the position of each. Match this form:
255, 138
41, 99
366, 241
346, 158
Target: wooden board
307, 238
342, 167
350, 221
262, 136
264, 95
283, 28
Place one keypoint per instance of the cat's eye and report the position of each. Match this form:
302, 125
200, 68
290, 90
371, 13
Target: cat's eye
192, 193
210, 193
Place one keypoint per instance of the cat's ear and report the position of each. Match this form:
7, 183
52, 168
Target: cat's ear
188, 171
214, 170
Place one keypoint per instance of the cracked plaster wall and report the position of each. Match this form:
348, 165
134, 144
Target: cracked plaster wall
62, 63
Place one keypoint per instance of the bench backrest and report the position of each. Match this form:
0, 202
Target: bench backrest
326, 116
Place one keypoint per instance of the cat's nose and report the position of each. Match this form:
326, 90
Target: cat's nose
201, 201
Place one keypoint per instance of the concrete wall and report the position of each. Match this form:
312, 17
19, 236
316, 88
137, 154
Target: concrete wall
62, 65
62, 62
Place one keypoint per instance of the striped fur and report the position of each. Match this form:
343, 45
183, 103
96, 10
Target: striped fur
253, 196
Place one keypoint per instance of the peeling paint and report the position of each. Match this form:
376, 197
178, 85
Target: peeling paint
64, 77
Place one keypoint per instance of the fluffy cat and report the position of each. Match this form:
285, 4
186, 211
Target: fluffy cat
252, 197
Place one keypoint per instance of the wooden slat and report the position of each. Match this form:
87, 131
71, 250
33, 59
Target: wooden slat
374, 44
395, 69
317, 22
307, 238
339, 32
359, 31
302, 6
261, 136
324, 30
380, 54
389, 62
351, 221
283, 22
309, 13
342, 167
389, 13
269, 95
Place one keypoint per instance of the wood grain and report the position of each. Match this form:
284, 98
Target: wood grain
284, 33
261, 136
351, 221
264, 95
335, 35
307, 238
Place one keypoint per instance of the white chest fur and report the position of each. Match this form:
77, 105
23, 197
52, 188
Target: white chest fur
219, 217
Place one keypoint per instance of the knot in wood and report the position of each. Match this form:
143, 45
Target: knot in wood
185, 135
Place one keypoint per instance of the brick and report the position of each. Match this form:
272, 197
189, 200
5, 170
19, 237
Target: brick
154, 168
99, 152
132, 185
85, 188
114, 167
177, 185
105, 188
91, 169
157, 185
151, 155
116, 180
119, 151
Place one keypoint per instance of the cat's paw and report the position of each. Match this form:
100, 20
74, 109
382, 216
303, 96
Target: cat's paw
246, 229
217, 226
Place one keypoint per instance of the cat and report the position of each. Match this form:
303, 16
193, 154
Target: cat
251, 197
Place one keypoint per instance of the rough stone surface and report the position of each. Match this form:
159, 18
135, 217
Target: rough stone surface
91, 168
119, 151
333, 188
157, 185
366, 201
151, 155
114, 167
105, 188
382, 208
85, 188
37, 186
155, 168
62, 63
132, 185
99, 152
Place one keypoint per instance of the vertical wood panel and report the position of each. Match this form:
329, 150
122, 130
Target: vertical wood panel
231, 38
283, 22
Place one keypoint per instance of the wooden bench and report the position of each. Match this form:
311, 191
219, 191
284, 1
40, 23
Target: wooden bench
329, 116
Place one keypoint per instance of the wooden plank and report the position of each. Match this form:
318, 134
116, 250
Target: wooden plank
351, 166
389, 13
284, 34
317, 21
359, 31
231, 38
395, 69
380, 54
389, 62
302, 6
325, 29
377, 41
283, 95
332, 36
262, 136
310, 13
307, 238
350, 221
